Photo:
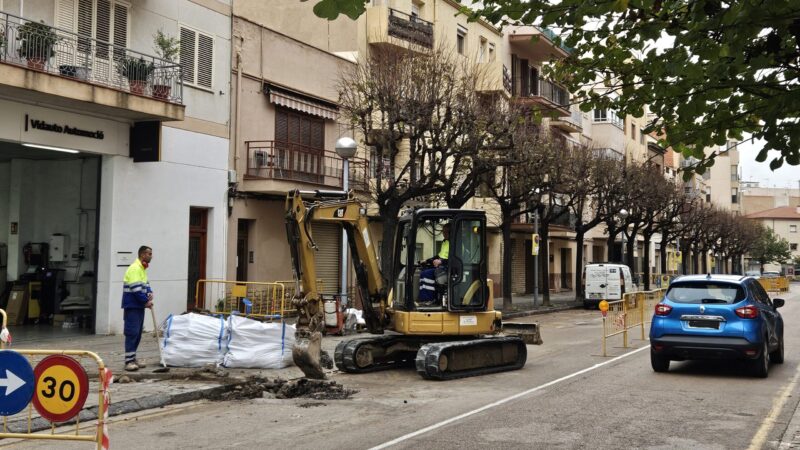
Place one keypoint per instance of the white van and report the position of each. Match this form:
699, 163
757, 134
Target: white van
606, 281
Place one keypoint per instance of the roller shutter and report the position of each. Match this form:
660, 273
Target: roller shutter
328, 238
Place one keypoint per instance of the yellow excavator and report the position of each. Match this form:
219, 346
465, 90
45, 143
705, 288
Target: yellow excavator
451, 331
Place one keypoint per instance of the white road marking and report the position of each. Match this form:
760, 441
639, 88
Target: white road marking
503, 401
760, 437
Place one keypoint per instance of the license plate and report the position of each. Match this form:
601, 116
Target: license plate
704, 324
595, 295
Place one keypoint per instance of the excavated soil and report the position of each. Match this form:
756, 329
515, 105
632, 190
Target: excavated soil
257, 387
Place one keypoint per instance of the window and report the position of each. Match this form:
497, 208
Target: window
633, 131
793, 247
492, 55
377, 165
197, 58
461, 40
414, 12
641, 136
734, 173
734, 195
792, 228
608, 116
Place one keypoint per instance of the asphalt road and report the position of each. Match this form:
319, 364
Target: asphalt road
567, 396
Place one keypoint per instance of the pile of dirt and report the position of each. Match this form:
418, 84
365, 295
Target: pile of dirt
256, 387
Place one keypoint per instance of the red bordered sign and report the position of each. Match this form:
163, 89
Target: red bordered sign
60, 388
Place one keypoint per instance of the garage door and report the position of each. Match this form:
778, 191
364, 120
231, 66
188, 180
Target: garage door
328, 238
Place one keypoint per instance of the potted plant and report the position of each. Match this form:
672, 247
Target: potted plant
137, 71
37, 40
167, 47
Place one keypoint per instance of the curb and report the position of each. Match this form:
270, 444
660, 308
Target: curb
123, 407
536, 312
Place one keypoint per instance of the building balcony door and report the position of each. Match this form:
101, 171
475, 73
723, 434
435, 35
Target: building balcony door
198, 232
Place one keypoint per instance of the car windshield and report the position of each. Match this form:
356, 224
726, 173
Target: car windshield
706, 292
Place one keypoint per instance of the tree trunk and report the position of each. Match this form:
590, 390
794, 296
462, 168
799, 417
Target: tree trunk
646, 262
704, 259
579, 265
610, 246
684, 259
507, 253
663, 256
544, 261
629, 252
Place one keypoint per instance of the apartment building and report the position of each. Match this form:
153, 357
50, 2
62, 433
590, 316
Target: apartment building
723, 178
105, 147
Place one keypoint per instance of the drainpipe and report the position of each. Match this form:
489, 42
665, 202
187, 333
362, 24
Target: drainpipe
236, 144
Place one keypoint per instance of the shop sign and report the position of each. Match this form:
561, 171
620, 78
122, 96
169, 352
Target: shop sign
41, 125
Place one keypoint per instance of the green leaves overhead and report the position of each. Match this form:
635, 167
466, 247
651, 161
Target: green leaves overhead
330, 9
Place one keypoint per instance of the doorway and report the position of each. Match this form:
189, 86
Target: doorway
198, 235
243, 256
566, 257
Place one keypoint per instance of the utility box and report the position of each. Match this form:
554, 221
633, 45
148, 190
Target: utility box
59, 248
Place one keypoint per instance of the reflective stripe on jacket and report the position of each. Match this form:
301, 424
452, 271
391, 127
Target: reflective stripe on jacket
135, 286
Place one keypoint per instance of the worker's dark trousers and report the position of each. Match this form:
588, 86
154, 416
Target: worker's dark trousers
134, 320
427, 285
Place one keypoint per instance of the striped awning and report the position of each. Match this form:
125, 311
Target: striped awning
301, 103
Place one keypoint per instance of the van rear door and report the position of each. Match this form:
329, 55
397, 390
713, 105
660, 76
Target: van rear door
595, 282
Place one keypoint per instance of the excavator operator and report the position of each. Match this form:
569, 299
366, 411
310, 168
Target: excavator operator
436, 264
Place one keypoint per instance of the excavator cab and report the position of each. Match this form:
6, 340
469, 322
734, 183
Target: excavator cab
455, 237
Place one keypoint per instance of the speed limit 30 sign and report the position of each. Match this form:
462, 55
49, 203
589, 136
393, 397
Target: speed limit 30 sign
61, 388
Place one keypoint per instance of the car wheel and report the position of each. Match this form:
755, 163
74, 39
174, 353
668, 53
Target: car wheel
777, 355
761, 364
659, 363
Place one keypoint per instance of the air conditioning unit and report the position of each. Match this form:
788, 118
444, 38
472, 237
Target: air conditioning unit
261, 158
231, 177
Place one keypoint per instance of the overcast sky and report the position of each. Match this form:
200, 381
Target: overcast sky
785, 177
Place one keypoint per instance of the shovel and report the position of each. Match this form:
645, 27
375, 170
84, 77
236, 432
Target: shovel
163, 367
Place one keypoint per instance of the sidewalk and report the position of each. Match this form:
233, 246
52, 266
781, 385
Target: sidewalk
523, 305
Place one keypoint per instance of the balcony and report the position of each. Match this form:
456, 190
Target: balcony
536, 44
390, 27
545, 95
496, 78
49, 65
609, 153
315, 167
570, 124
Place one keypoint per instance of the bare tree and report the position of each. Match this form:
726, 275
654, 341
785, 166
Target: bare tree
420, 113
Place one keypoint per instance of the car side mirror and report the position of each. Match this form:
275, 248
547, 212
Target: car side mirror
778, 302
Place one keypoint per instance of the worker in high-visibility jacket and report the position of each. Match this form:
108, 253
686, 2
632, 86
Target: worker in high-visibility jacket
136, 296
427, 278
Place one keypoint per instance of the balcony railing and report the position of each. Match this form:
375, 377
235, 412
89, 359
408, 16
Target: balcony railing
609, 153
276, 160
410, 28
59, 52
550, 34
545, 89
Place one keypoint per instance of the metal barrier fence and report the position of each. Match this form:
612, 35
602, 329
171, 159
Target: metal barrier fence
249, 298
630, 312
60, 382
779, 284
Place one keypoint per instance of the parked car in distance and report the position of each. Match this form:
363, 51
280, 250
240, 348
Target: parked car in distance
770, 274
606, 281
717, 317
753, 273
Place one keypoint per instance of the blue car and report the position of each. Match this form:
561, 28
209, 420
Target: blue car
717, 317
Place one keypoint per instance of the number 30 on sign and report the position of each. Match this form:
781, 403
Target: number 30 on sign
61, 388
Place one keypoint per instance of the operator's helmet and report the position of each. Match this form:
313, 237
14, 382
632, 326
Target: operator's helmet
441, 275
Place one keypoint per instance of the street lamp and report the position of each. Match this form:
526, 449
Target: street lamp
623, 214
346, 149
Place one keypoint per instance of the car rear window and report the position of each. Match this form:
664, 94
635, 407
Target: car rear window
707, 292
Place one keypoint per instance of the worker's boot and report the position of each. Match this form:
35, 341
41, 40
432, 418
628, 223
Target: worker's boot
131, 367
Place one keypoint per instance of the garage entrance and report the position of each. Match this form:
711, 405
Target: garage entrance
49, 205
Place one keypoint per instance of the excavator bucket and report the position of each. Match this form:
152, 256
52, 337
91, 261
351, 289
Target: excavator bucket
528, 332
307, 354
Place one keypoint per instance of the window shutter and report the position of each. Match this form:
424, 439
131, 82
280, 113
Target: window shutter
188, 45
281, 126
120, 30
65, 14
317, 134
103, 27
84, 25
205, 60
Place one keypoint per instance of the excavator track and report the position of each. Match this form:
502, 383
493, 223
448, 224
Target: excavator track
363, 355
460, 359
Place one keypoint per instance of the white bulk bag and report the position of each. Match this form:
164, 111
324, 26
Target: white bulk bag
258, 345
194, 340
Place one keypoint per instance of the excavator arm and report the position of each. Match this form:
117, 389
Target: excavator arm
303, 208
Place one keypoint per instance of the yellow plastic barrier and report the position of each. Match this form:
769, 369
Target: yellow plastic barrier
779, 284
98, 432
630, 312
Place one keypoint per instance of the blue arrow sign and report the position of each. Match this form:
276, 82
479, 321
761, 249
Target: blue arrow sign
16, 382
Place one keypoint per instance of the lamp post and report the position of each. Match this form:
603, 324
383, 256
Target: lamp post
346, 149
623, 214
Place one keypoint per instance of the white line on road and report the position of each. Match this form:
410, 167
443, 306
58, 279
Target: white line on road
777, 406
502, 401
